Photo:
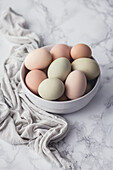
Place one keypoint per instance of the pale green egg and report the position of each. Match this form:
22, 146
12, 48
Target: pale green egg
59, 68
51, 89
88, 66
88, 88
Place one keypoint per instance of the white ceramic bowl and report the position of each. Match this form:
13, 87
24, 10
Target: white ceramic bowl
57, 106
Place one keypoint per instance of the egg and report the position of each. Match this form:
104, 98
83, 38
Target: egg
75, 84
60, 50
88, 66
51, 89
63, 98
88, 88
38, 59
59, 68
80, 50
33, 80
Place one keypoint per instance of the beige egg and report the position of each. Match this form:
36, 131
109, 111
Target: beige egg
51, 89
80, 50
59, 68
33, 80
38, 59
88, 66
75, 84
60, 50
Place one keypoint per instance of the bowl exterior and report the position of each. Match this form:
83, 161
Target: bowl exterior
55, 106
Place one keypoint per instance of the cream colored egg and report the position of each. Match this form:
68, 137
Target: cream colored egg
59, 68
51, 89
88, 66
75, 84
38, 59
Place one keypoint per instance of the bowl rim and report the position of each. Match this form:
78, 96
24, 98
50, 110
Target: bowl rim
52, 101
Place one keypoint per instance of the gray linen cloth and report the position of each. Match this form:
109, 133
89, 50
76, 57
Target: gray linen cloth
21, 122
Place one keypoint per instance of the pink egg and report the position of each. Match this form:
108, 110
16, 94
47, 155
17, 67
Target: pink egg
60, 50
75, 84
38, 59
33, 80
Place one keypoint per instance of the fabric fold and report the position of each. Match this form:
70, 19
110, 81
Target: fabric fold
21, 122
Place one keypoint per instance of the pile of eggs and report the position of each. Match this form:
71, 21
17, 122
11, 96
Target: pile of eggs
61, 74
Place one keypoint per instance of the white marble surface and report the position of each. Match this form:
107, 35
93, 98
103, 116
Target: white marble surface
89, 143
